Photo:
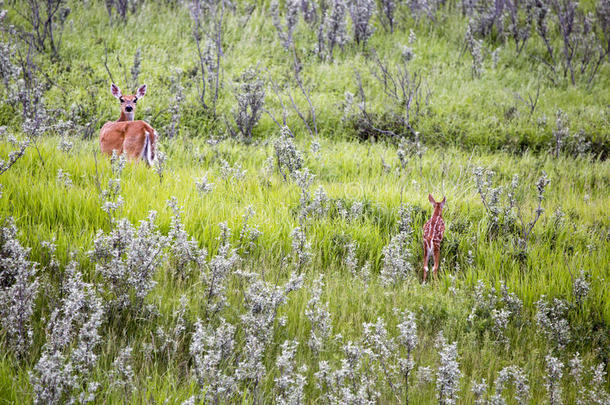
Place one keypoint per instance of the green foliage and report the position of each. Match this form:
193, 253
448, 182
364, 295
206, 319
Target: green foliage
472, 121
349, 172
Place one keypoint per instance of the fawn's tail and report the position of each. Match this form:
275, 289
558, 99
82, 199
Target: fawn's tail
148, 154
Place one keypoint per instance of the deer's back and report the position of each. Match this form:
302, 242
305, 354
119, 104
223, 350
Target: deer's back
126, 136
434, 230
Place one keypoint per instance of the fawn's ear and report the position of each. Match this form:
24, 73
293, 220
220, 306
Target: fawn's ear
431, 199
141, 91
443, 202
114, 89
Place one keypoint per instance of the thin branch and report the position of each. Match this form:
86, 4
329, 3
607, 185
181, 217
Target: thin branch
106, 62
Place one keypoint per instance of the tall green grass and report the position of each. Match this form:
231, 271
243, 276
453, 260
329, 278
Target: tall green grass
348, 171
471, 122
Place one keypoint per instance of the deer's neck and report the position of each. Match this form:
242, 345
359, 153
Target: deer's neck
437, 213
125, 116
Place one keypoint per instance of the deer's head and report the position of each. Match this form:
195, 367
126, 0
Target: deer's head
438, 206
128, 102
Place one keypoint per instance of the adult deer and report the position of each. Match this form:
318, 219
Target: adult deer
136, 138
433, 235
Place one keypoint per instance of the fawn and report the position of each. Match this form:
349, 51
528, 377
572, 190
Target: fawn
433, 235
136, 138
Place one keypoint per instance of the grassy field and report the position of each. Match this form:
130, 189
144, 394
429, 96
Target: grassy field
507, 305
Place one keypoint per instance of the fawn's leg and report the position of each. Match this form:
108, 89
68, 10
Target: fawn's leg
426, 258
437, 258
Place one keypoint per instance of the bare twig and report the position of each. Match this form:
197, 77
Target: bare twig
106, 62
531, 102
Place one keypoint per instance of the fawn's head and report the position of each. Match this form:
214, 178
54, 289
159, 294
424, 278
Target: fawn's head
438, 206
128, 102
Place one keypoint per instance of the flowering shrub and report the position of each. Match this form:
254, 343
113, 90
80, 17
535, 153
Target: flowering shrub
286, 31
18, 290
333, 30
552, 322
397, 254
126, 258
319, 317
64, 371
448, 374
212, 349
519, 379
183, 252
361, 12
288, 158
249, 93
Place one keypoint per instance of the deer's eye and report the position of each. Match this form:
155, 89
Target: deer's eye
135, 100
121, 100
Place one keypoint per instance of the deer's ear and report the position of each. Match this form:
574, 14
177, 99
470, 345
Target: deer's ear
431, 199
141, 91
114, 89
443, 202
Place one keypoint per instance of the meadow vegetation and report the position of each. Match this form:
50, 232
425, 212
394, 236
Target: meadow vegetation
272, 253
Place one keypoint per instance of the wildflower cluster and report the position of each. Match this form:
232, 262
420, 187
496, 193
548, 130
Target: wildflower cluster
262, 301
290, 385
304, 179
301, 249
18, 290
475, 47
551, 318
349, 213
65, 145
64, 371
397, 254
288, 158
489, 310
480, 392
333, 30
217, 272
424, 8
15, 155
286, 31
351, 263
504, 205
581, 287
126, 258
204, 186
211, 349
248, 234
383, 348
169, 341
407, 338
111, 196
560, 133
319, 205
378, 359
319, 317
229, 173
250, 96
518, 378
64, 179
122, 374
183, 251
160, 164
516, 21
352, 381
361, 12
448, 373
552, 383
